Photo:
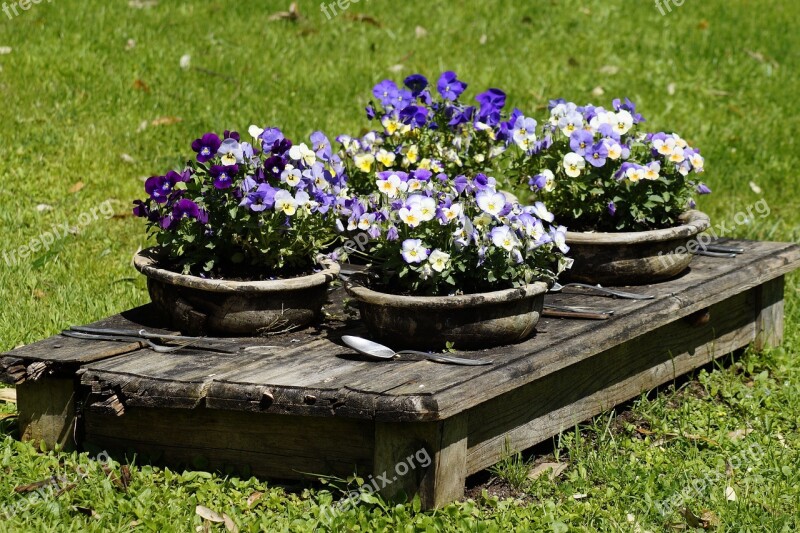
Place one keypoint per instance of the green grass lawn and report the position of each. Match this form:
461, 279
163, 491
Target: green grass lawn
94, 98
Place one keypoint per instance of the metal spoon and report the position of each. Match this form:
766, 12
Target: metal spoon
610, 292
379, 351
153, 346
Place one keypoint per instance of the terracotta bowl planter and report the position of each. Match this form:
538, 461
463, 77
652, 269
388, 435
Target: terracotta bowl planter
200, 306
635, 258
469, 321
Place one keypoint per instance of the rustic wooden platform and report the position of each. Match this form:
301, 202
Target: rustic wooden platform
308, 405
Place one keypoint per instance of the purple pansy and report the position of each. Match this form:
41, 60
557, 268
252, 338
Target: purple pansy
187, 208
702, 188
269, 137
321, 145
449, 86
206, 147
581, 141
597, 154
416, 84
260, 199
414, 115
461, 116
385, 92
159, 188
223, 175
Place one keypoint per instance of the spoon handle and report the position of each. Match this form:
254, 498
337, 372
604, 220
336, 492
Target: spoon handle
446, 359
612, 292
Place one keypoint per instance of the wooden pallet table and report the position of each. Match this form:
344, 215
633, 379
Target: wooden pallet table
307, 405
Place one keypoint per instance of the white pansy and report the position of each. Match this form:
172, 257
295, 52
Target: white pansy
573, 164
285, 202
623, 122
255, 131
438, 260
302, 152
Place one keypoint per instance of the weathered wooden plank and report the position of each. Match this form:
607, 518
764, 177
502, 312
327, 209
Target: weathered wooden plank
149, 379
559, 400
66, 351
282, 447
12, 370
47, 412
426, 459
769, 314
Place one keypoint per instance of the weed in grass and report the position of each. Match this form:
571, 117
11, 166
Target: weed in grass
512, 467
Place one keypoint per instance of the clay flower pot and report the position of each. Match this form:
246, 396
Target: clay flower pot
468, 321
201, 306
638, 257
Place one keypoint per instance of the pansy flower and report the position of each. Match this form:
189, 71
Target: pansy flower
413, 251
223, 175
449, 86
206, 147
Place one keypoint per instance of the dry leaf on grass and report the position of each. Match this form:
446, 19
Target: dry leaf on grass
758, 56
140, 85
553, 469
692, 520
127, 158
730, 494
207, 514
76, 187
739, 433
361, 17
254, 498
230, 525
292, 14
142, 4
609, 69
30, 487
165, 121
8, 395
420, 32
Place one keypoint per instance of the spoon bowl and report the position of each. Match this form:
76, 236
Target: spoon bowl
369, 348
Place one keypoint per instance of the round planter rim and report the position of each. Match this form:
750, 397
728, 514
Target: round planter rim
374, 297
694, 223
146, 262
